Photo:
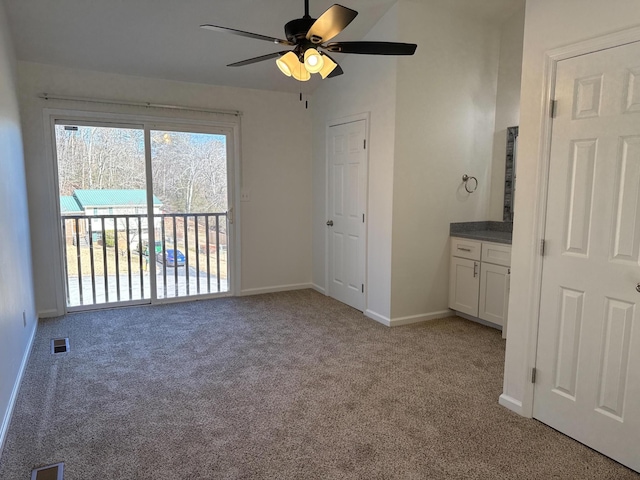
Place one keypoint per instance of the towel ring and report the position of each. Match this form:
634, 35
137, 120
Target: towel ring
465, 179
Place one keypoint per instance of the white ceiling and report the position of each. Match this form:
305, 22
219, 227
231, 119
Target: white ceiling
161, 38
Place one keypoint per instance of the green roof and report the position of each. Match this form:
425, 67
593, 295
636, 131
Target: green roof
112, 198
69, 205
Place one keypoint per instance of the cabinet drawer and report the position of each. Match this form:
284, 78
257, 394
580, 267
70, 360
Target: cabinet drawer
496, 253
464, 248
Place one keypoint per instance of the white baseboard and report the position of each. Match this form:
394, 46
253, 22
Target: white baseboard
396, 322
511, 403
6, 421
318, 288
277, 288
378, 318
48, 313
477, 320
423, 317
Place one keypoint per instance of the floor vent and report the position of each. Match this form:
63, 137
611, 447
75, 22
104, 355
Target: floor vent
50, 472
59, 345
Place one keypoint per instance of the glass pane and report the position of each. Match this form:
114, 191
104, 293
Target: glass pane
103, 204
189, 173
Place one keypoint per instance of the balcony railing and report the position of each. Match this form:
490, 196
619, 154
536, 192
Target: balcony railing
107, 257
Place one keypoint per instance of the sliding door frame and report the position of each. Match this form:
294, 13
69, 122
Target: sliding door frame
229, 128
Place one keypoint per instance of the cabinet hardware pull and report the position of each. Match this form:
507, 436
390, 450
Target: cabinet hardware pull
475, 269
464, 249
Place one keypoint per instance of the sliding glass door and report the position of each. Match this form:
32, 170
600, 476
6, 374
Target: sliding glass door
143, 213
103, 206
191, 247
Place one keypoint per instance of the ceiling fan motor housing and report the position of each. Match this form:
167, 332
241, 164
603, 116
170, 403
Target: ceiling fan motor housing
296, 30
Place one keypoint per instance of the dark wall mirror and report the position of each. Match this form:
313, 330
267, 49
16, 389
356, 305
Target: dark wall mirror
510, 174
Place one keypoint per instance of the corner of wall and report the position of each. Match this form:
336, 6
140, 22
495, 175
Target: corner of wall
368, 86
446, 101
17, 310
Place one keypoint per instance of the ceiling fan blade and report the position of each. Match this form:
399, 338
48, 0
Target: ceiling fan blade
336, 71
261, 58
330, 23
373, 48
242, 33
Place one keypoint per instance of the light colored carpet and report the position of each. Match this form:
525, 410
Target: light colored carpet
288, 385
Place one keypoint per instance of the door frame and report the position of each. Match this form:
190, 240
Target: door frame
334, 123
146, 122
552, 57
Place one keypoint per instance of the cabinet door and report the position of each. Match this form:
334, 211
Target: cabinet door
464, 285
494, 293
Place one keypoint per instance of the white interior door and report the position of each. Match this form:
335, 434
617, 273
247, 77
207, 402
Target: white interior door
588, 359
347, 179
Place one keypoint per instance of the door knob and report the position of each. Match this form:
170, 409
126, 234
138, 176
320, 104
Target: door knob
638, 288
330, 224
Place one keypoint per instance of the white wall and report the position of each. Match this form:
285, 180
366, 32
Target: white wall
275, 155
507, 104
445, 118
549, 24
16, 285
368, 85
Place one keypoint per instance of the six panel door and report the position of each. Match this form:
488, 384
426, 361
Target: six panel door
588, 359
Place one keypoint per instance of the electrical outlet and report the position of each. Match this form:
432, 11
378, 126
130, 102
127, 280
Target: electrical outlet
245, 195
24, 318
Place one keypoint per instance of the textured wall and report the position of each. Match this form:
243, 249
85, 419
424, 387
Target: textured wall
444, 129
507, 104
16, 285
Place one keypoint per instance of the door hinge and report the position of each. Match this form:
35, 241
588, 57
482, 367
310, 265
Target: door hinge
543, 244
230, 215
363, 288
553, 108
533, 374
365, 143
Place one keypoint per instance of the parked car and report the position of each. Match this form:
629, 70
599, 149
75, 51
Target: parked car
174, 257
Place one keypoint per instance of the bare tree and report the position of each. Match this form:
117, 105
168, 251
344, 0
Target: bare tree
189, 170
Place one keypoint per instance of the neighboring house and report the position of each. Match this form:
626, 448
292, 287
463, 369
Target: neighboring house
70, 207
116, 203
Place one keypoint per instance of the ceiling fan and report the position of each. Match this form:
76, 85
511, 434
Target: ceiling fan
306, 35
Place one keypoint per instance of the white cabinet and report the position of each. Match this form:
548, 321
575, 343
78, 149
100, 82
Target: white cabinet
464, 283
464, 276
479, 279
494, 293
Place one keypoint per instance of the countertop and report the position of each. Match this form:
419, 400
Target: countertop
498, 232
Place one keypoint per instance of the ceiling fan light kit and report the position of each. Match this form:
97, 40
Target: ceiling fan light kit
287, 63
313, 61
328, 67
306, 35
300, 73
